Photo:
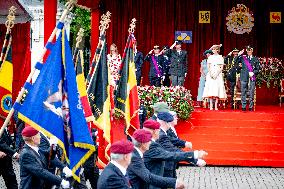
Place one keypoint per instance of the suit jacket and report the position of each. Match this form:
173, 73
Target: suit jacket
160, 60
140, 176
244, 71
156, 156
175, 140
34, 171
166, 143
138, 60
179, 63
112, 178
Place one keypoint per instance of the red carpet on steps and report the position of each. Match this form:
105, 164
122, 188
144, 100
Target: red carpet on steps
233, 137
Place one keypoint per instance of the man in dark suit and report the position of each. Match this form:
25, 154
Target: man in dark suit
232, 67
114, 174
165, 118
179, 63
34, 163
6, 168
249, 66
156, 61
138, 60
139, 175
156, 157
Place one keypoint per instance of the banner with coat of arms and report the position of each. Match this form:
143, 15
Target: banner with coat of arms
240, 20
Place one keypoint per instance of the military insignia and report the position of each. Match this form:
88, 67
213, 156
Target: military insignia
6, 103
240, 20
184, 36
275, 17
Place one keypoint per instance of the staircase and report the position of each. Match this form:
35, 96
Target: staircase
237, 138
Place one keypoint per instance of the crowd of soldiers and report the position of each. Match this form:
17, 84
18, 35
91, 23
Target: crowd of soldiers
149, 160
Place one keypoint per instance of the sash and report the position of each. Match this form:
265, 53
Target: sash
156, 65
249, 67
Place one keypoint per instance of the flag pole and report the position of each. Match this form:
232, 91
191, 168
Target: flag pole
105, 20
68, 7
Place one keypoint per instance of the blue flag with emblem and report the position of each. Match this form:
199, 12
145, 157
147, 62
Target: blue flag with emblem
52, 106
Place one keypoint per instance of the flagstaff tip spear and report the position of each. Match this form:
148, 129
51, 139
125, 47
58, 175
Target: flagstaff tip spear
79, 37
132, 26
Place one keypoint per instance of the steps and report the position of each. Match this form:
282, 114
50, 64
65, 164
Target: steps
237, 138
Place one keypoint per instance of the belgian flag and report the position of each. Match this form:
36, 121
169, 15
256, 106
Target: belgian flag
6, 76
126, 94
79, 64
99, 98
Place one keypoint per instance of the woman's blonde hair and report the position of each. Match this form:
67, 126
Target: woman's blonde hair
115, 48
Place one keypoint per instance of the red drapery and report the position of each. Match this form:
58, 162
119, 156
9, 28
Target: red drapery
21, 54
159, 19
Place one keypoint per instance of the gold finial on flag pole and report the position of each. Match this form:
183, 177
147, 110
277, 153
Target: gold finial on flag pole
11, 18
132, 26
79, 37
104, 23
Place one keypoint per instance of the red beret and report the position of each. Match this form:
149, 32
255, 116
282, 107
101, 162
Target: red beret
151, 124
122, 147
142, 136
29, 131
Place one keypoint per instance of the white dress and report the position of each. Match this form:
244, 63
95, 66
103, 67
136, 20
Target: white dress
214, 85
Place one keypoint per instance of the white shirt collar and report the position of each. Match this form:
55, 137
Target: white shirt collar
121, 168
139, 151
34, 148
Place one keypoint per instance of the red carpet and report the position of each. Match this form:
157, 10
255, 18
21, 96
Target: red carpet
238, 138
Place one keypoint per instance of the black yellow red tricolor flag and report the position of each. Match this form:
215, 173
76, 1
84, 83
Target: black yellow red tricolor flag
99, 98
126, 94
79, 63
6, 76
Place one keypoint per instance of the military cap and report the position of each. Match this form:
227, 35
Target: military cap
156, 47
207, 51
29, 131
248, 48
235, 50
165, 116
178, 42
151, 124
142, 136
161, 107
121, 147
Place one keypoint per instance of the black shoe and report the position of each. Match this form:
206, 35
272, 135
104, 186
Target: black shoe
243, 109
250, 109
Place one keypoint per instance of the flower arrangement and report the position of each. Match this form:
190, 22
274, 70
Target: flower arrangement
271, 70
178, 99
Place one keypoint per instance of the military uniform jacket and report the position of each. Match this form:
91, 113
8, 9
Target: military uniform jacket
112, 178
179, 64
153, 71
140, 176
231, 75
244, 71
34, 171
138, 60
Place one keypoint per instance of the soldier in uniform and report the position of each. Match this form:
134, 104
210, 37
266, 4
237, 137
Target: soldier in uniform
139, 175
159, 107
114, 174
6, 155
156, 157
156, 66
165, 118
138, 60
232, 69
179, 64
34, 163
249, 66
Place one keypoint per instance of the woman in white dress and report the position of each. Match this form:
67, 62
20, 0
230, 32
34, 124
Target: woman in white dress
214, 85
114, 61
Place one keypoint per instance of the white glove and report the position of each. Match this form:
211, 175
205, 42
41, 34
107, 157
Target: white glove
251, 74
201, 154
163, 78
241, 52
68, 173
65, 184
188, 145
230, 53
179, 184
53, 141
201, 163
